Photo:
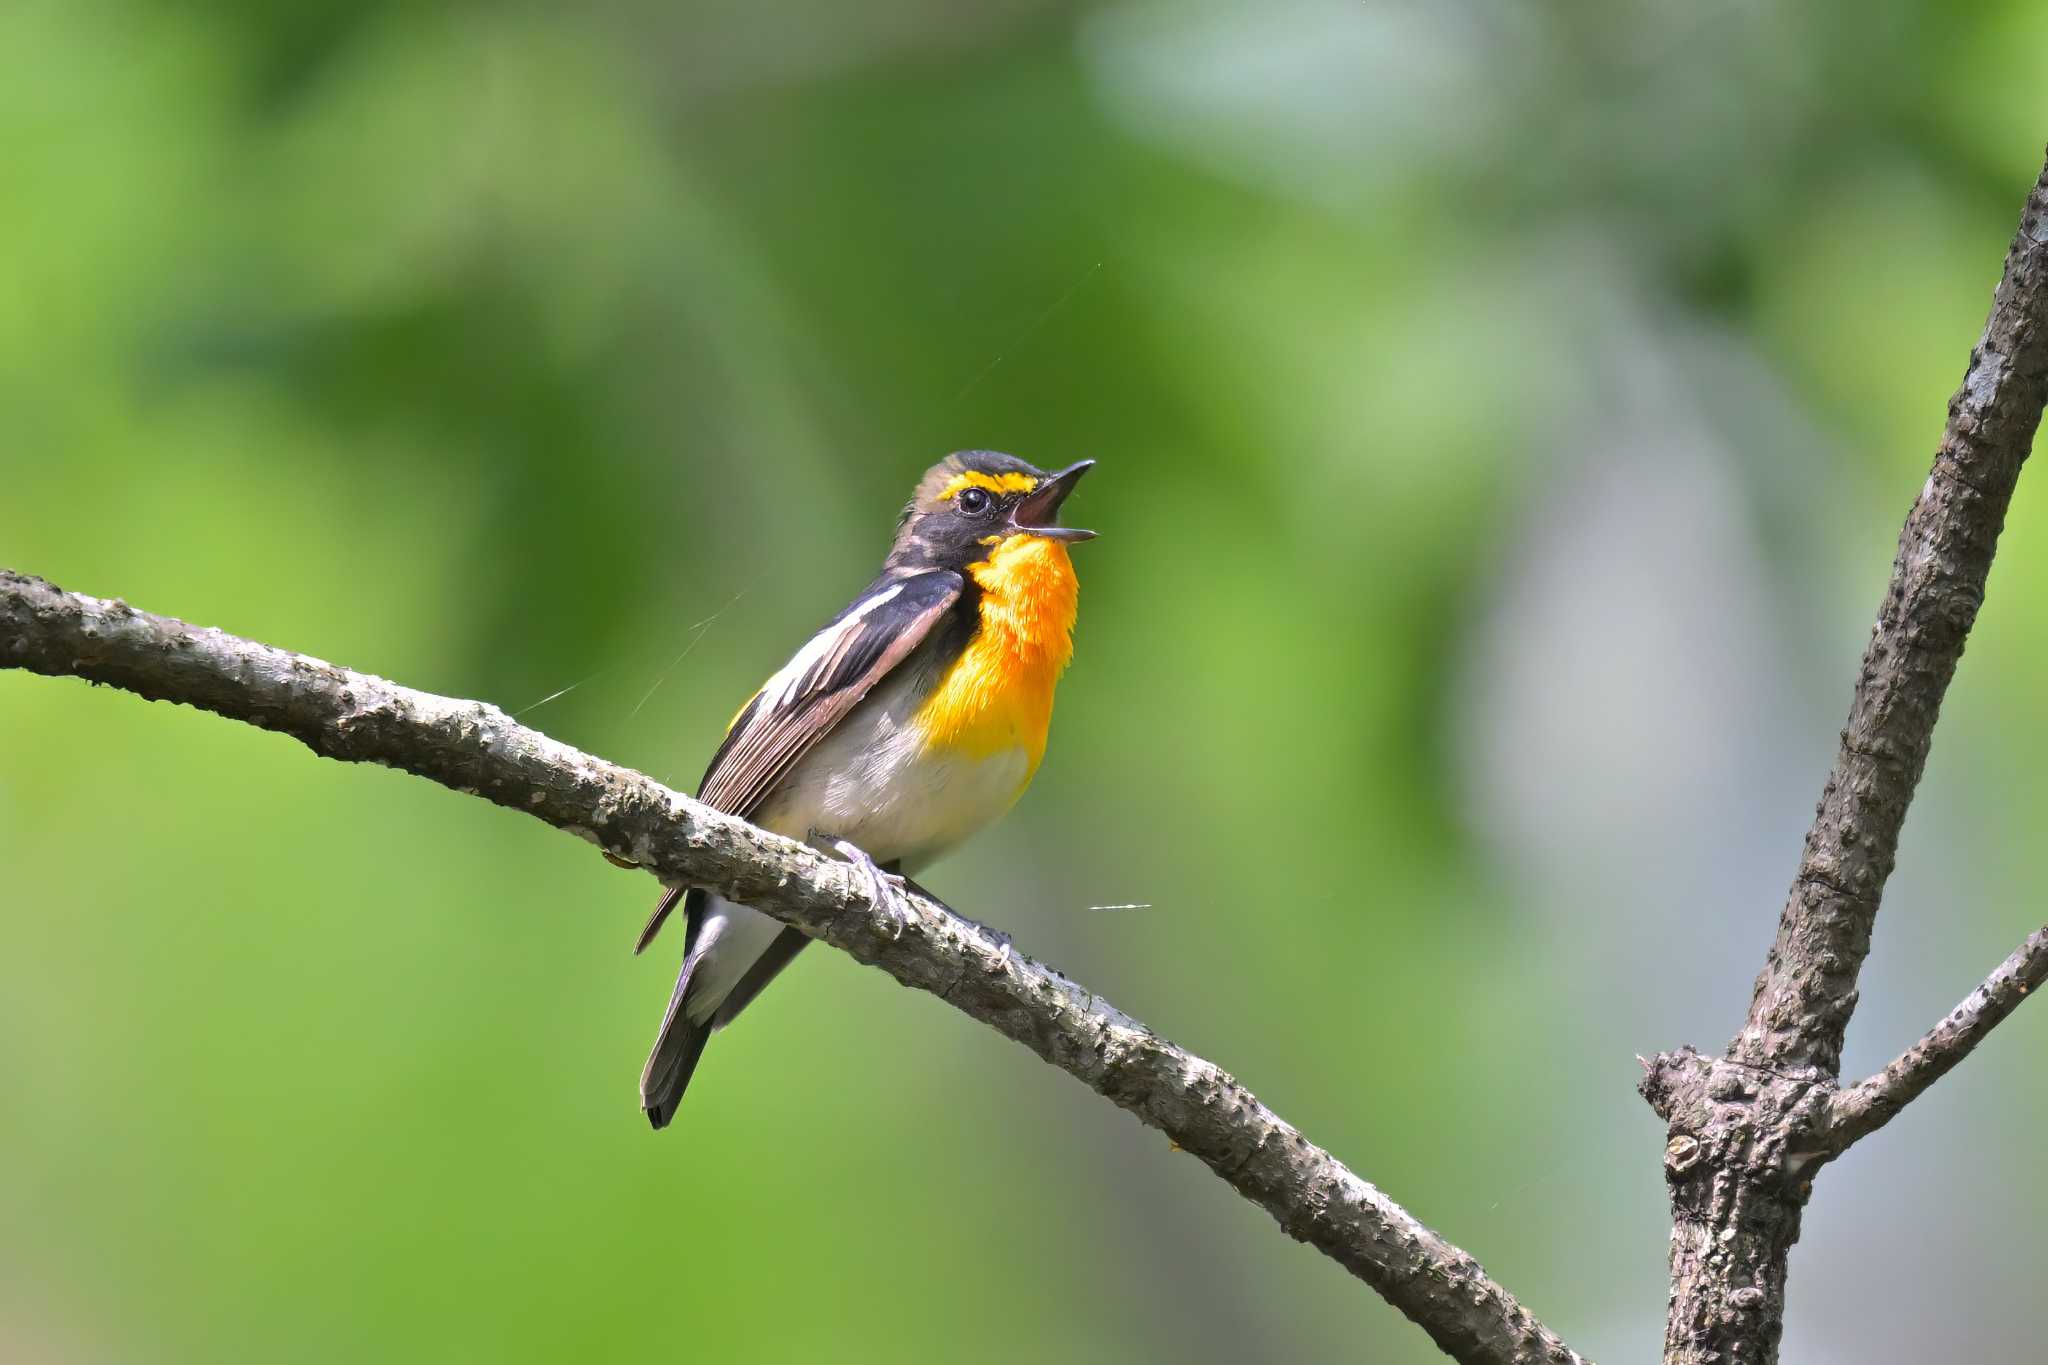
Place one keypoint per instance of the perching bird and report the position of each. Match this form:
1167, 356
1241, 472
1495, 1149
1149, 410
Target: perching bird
916, 717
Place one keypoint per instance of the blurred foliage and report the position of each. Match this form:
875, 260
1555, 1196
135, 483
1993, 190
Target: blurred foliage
1505, 415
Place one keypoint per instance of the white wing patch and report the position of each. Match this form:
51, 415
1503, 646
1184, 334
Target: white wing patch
781, 689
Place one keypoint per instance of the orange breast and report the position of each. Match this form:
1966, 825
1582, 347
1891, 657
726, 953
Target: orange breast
997, 696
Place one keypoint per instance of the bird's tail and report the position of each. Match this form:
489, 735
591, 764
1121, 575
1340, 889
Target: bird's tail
681, 1042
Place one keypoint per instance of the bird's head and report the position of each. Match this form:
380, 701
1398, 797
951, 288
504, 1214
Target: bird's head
976, 502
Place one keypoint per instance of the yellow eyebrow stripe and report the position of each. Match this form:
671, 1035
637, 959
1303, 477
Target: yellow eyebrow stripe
994, 483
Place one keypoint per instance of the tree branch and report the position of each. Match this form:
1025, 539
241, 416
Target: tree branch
1862, 1109
1746, 1130
477, 749
1807, 990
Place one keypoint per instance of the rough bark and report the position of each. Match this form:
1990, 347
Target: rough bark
477, 749
1747, 1131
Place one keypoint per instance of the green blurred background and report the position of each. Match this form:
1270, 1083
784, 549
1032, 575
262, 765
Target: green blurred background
1505, 415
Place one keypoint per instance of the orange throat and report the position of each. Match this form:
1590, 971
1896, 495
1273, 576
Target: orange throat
997, 696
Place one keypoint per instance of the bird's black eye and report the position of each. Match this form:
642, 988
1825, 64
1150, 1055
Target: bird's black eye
974, 501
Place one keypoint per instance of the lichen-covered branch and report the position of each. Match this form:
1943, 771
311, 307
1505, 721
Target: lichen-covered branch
1862, 1109
1747, 1131
478, 749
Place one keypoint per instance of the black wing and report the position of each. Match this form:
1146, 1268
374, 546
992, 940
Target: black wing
813, 692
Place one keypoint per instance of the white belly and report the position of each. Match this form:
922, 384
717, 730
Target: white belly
873, 782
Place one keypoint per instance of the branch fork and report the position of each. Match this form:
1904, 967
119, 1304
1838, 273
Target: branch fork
1748, 1131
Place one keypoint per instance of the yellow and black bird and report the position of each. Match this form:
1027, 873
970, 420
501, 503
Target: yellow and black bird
916, 717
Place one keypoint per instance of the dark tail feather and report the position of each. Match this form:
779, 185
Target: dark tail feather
680, 1042
668, 901
669, 1068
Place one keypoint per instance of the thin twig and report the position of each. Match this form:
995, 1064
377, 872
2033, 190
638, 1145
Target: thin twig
476, 748
1862, 1109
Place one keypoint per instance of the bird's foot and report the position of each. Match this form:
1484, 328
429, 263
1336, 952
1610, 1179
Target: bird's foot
885, 889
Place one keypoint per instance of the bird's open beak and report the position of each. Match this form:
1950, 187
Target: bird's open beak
1038, 512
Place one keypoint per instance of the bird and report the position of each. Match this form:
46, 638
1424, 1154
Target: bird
912, 720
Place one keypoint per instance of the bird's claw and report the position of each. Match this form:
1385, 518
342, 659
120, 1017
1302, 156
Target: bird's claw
885, 889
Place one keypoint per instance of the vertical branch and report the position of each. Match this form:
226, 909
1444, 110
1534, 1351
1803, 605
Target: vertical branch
1746, 1131
1807, 990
